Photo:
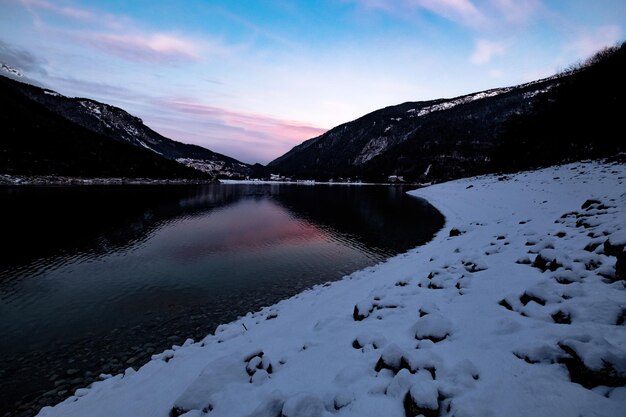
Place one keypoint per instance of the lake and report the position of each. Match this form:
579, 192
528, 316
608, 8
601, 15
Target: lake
97, 278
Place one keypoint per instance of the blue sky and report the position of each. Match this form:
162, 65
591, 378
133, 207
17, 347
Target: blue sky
252, 79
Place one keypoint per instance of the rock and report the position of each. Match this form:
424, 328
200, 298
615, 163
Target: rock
392, 358
51, 393
400, 384
422, 399
561, 318
591, 246
71, 372
343, 399
454, 232
587, 204
620, 267
259, 377
613, 249
526, 298
545, 264
270, 407
59, 382
303, 405
362, 311
589, 378
433, 327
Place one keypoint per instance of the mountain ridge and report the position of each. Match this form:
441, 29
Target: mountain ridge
442, 139
36, 141
123, 127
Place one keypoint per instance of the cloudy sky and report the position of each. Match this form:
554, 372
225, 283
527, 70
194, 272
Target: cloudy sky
252, 79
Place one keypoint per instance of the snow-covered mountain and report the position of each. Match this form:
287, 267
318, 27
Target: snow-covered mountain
476, 133
443, 126
121, 126
35, 141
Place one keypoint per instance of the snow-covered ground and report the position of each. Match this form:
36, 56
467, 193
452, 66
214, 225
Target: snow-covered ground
516, 297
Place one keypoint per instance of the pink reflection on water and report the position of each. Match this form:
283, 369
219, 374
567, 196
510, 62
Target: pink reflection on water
234, 229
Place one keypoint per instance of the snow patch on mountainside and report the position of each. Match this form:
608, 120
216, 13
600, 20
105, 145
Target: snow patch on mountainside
516, 308
52, 93
423, 111
216, 167
373, 148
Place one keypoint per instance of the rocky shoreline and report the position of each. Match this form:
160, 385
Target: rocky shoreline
39, 381
42, 180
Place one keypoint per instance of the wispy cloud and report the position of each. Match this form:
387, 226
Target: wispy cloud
485, 50
150, 48
515, 11
256, 29
459, 11
119, 35
462, 11
71, 12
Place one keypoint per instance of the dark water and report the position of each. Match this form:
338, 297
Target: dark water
94, 279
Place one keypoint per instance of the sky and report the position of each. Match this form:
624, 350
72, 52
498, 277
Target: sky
252, 79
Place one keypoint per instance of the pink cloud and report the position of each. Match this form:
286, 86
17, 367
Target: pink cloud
250, 137
119, 35
151, 48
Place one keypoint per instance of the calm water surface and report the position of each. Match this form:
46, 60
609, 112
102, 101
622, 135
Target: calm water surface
95, 279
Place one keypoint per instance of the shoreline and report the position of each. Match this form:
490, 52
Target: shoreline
59, 180
466, 324
7, 180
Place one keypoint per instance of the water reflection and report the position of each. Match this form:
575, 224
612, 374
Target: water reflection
89, 268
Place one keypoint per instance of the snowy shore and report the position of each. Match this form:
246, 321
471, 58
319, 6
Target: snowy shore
514, 309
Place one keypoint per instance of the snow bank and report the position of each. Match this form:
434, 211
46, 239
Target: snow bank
519, 312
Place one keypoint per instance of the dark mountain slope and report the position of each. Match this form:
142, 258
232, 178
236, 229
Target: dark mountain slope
464, 126
477, 133
582, 118
121, 126
36, 141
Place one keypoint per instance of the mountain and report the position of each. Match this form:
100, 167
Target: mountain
115, 123
37, 141
500, 129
